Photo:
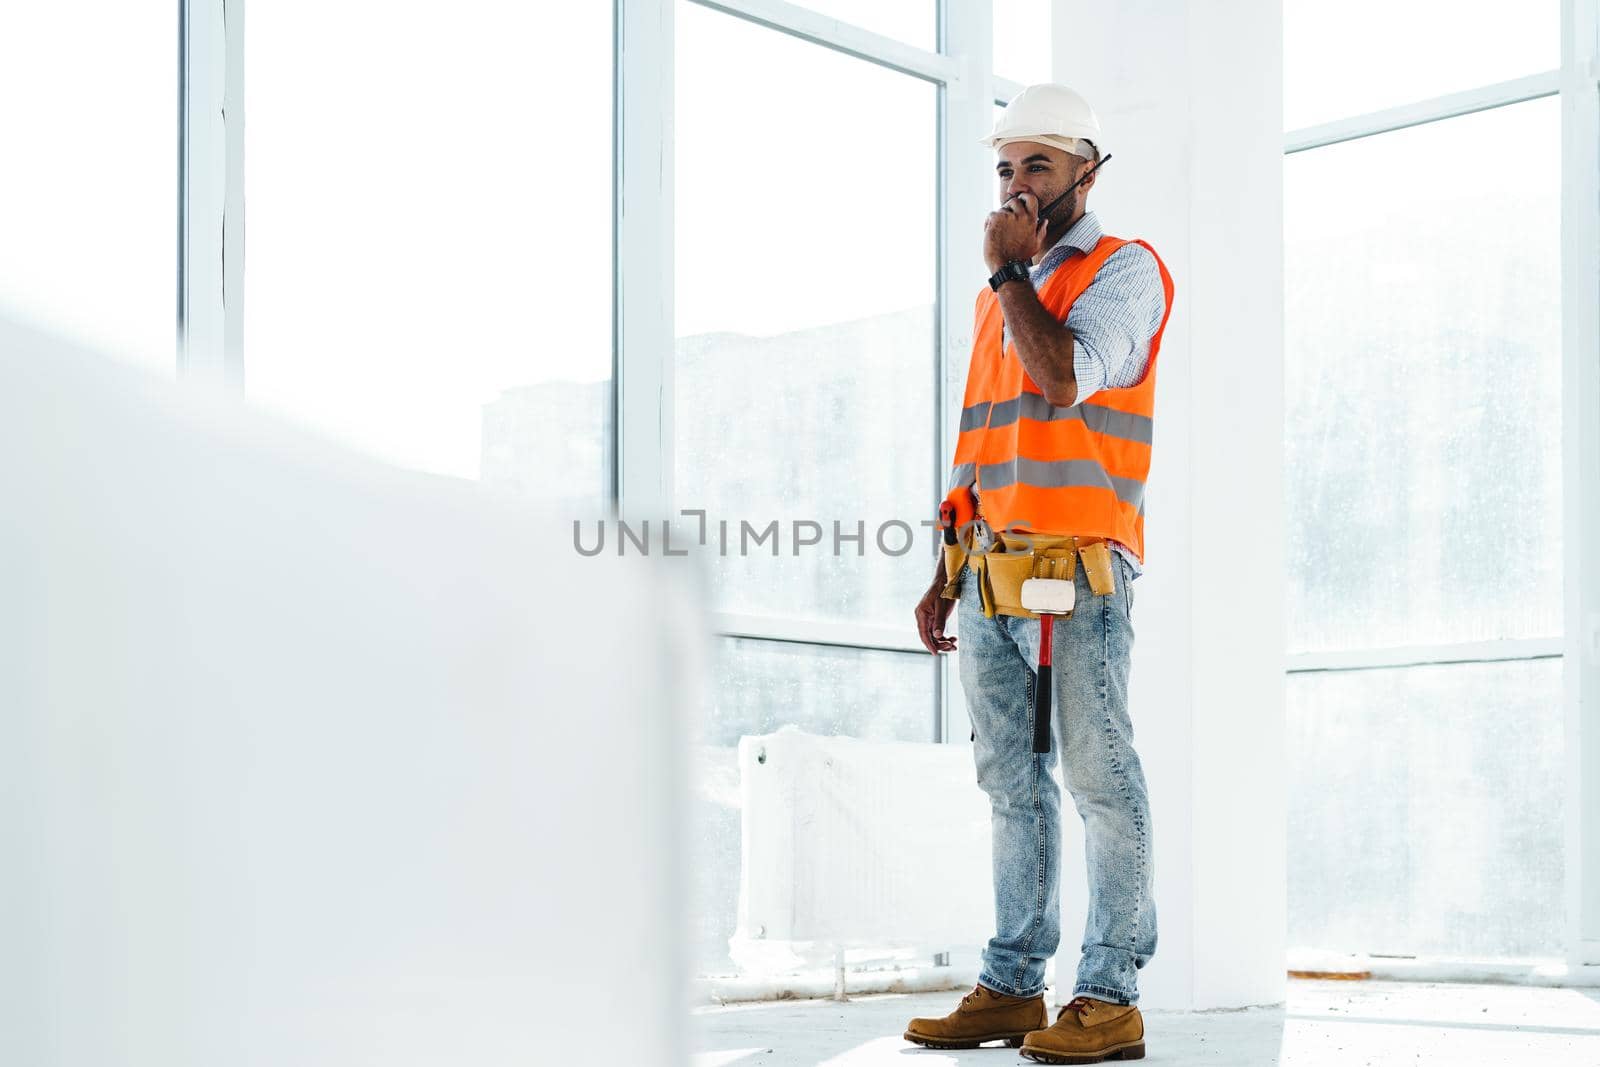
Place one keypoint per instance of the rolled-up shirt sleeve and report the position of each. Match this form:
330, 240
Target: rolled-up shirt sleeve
1114, 320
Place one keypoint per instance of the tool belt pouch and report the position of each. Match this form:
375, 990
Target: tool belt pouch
1097, 567
1007, 572
955, 562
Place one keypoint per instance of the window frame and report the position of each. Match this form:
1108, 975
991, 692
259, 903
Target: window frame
1577, 82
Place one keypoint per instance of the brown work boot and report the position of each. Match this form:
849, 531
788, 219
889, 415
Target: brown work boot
1088, 1030
983, 1015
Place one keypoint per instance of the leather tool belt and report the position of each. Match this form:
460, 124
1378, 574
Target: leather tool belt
1014, 558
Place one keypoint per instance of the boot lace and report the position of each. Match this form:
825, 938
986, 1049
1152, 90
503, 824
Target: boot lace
1079, 1006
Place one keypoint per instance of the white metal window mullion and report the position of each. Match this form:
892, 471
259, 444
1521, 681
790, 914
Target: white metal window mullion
1361, 659
800, 21
211, 191
643, 333
642, 343
966, 35
1532, 87
838, 632
1580, 313
966, 113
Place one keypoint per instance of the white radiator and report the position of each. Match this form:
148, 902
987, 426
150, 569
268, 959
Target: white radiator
866, 845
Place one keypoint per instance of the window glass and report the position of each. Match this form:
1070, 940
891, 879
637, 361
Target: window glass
89, 190
429, 258
1423, 380
1426, 814
1357, 56
806, 350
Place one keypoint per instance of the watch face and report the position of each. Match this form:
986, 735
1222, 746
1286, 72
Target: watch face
1015, 269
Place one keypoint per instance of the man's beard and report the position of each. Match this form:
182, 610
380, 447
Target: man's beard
1064, 210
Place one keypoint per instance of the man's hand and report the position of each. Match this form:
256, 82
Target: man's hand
932, 611
1013, 232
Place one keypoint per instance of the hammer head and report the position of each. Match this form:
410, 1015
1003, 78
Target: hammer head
1049, 596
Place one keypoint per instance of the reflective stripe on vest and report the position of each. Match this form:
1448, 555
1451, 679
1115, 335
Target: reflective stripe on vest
1035, 466
1125, 424
1048, 474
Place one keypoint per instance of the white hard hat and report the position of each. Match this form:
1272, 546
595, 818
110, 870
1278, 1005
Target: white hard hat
1049, 113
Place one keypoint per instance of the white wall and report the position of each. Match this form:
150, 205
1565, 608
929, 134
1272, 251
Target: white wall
1190, 99
306, 759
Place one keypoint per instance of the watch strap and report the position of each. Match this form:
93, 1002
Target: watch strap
1016, 270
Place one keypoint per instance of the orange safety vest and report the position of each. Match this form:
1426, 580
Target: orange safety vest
1038, 468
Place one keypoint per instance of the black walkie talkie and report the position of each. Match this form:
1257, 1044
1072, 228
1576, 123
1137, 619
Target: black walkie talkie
1045, 211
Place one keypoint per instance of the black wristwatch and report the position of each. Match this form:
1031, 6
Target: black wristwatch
1017, 269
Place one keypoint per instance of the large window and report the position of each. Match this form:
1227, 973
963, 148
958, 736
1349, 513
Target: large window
430, 236
805, 285
1424, 479
806, 363
89, 186
1424, 380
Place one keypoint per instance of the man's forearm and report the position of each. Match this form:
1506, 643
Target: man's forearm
1043, 344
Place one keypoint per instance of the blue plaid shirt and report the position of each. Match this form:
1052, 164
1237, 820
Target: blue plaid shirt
1112, 322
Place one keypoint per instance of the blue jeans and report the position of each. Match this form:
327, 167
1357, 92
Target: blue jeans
1094, 738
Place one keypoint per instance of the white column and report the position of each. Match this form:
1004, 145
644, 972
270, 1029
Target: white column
1198, 171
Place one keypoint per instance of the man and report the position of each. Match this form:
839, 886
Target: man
1049, 472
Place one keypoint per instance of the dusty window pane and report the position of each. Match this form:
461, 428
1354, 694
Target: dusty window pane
1423, 381
1426, 813
803, 392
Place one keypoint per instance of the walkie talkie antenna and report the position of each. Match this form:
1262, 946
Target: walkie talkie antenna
1045, 211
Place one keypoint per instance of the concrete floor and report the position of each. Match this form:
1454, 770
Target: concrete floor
1322, 1024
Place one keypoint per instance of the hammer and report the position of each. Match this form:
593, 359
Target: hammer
1047, 598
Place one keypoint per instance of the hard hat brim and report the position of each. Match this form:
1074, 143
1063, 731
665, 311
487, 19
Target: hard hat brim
997, 141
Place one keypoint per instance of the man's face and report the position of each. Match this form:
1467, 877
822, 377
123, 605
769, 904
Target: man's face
1042, 171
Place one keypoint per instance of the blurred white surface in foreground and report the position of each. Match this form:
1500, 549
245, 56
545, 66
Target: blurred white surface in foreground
307, 759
